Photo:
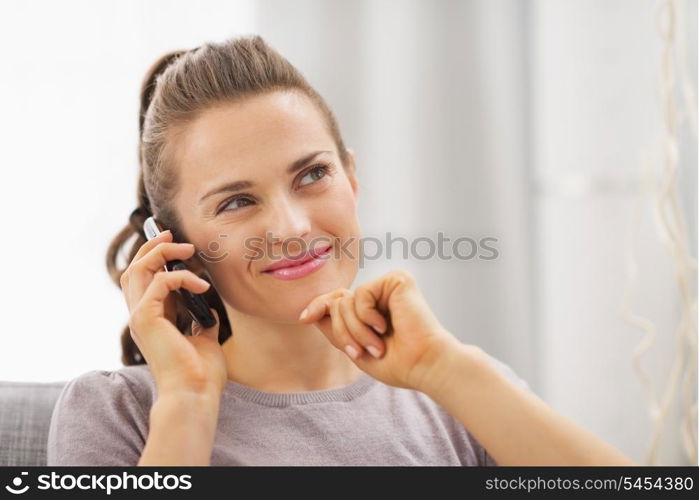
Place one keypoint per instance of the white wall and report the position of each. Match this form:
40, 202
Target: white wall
70, 83
595, 67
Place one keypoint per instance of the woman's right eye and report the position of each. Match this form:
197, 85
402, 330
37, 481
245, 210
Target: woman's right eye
236, 199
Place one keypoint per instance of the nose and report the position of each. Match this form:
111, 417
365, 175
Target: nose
288, 225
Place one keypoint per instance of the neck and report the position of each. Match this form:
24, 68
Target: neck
284, 357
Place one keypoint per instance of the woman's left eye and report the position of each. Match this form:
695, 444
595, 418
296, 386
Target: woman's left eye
322, 169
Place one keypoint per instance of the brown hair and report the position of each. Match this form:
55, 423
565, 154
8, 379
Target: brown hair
178, 88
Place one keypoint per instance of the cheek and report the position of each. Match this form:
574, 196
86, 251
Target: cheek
231, 274
339, 205
225, 254
339, 218
215, 246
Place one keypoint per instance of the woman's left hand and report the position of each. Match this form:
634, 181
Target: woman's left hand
412, 341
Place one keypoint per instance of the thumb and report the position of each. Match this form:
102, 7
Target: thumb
211, 332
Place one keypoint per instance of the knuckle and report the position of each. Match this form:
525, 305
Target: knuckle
341, 293
362, 294
167, 276
403, 275
139, 267
346, 304
160, 277
362, 312
178, 278
188, 276
179, 248
336, 303
170, 280
167, 246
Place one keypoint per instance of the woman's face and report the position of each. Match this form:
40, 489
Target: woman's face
281, 207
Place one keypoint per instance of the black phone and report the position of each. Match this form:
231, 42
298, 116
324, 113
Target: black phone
194, 302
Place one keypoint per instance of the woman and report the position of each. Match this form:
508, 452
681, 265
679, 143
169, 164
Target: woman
239, 153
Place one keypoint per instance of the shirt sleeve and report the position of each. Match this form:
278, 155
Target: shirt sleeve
97, 421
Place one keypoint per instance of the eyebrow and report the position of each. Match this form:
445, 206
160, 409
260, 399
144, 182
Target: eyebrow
231, 187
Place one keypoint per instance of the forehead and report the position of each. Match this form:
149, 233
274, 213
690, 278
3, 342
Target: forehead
263, 131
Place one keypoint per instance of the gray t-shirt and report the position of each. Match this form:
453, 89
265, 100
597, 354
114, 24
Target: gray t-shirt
101, 419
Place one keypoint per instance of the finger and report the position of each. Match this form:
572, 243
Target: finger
143, 270
150, 308
150, 244
143, 249
341, 335
319, 306
366, 308
377, 293
166, 282
360, 331
316, 309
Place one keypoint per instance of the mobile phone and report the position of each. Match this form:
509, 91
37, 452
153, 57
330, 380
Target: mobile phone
195, 303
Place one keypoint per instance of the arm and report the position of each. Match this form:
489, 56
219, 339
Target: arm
182, 430
514, 426
416, 352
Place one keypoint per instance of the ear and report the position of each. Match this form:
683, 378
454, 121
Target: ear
351, 173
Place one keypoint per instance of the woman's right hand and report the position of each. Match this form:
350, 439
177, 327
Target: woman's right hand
179, 363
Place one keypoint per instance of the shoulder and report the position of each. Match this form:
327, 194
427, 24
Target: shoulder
101, 417
129, 382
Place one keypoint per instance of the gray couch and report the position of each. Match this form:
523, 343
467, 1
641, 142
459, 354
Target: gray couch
25, 414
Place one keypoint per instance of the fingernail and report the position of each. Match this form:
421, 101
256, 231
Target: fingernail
377, 329
304, 313
351, 352
373, 351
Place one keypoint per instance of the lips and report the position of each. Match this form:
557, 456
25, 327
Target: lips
298, 260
